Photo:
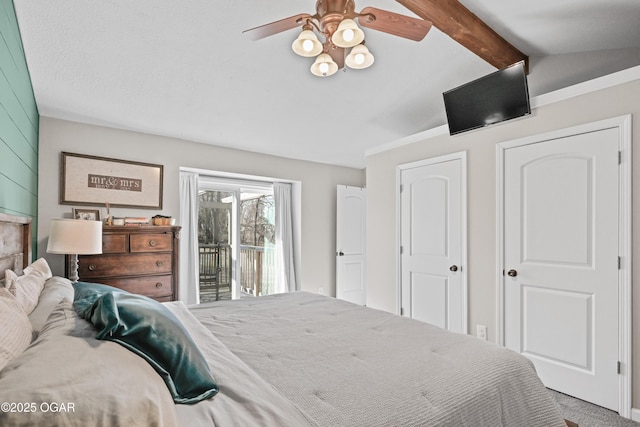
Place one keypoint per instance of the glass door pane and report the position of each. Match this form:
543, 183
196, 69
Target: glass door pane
257, 242
214, 241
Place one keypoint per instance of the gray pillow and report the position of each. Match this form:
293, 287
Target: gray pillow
55, 290
99, 382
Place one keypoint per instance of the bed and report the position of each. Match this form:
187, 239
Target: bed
296, 359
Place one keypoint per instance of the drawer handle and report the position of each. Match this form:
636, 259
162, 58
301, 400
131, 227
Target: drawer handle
159, 285
159, 263
91, 267
152, 243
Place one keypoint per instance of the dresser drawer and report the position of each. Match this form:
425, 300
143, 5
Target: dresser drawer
150, 242
142, 260
115, 243
107, 265
158, 287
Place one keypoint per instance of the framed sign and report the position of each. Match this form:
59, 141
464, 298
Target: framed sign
96, 181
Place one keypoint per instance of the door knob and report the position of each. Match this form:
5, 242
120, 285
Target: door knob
512, 273
340, 253
453, 268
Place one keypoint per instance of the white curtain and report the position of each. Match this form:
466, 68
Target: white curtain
189, 291
285, 271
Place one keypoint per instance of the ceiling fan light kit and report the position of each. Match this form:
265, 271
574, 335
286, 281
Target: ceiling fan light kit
335, 21
307, 44
359, 57
324, 66
348, 34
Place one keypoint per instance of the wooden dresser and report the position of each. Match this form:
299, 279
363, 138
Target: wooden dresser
139, 259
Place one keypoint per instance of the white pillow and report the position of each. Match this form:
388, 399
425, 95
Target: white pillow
15, 330
40, 265
27, 288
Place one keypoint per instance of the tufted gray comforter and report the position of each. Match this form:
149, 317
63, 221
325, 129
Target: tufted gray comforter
333, 363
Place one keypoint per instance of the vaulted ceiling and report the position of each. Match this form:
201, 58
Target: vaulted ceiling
185, 70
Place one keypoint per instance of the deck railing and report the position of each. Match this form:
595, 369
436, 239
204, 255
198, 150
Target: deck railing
257, 272
215, 270
256, 264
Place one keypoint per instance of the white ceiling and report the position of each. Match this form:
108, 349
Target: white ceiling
185, 70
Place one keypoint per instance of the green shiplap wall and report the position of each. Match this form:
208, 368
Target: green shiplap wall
18, 125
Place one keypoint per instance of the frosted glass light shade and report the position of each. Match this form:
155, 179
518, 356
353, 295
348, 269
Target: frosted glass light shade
307, 44
359, 57
75, 236
347, 34
324, 66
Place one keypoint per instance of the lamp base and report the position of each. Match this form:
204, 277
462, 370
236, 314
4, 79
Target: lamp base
73, 268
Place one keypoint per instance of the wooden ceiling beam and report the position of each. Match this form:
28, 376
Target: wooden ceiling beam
455, 20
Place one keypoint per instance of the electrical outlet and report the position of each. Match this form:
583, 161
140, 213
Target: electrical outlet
481, 332
321, 291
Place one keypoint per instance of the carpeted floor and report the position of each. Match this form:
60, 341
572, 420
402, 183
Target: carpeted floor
588, 415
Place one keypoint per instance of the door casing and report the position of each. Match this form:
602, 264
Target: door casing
623, 123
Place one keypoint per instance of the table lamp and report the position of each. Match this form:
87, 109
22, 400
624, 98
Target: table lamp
74, 237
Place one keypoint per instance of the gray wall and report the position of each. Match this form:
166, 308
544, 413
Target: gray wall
18, 124
318, 182
553, 72
480, 147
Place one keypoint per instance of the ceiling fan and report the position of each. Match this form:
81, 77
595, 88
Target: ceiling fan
334, 20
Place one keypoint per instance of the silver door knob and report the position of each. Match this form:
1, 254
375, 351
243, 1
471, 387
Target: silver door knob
453, 268
512, 273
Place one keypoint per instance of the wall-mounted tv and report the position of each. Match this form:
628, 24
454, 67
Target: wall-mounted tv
494, 98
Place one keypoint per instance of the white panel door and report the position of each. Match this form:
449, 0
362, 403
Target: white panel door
432, 277
350, 241
561, 261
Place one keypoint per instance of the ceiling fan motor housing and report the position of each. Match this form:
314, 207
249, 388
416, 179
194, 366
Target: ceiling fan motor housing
342, 7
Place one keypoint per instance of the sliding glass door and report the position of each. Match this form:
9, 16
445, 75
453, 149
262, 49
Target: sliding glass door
236, 240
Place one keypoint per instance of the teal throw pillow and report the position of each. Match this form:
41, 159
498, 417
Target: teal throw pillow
150, 330
85, 294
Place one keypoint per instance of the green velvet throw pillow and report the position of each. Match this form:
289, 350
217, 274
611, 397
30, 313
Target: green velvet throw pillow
85, 294
150, 330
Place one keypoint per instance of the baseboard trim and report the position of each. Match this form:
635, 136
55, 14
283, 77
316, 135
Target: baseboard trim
635, 414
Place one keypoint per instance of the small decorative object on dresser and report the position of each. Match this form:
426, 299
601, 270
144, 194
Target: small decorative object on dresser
86, 214
163, 220
142, 260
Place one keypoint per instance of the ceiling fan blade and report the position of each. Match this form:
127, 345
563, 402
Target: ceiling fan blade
276, 27
394, 23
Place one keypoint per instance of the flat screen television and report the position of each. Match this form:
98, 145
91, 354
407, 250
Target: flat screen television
497, 97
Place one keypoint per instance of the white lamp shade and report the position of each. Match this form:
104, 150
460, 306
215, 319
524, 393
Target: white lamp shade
347, 34
75, 236
359, 57
307, 44
324, 66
